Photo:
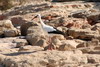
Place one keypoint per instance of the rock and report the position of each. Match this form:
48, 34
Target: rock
86, 49
11, 33
55, 22
83, 34
17, 21
86, 26
68, 45
96, 27
92, 43
43, 58
79, 14
20, 42
25, 26
93, 17
58, 36
93, 58
34, 37
81, 45
97, 48
2, 17
75, 23
7, 28
7, 45
30, 48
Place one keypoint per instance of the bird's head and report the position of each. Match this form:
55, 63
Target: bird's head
38, 15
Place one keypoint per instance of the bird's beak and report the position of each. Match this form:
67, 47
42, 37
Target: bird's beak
35, 17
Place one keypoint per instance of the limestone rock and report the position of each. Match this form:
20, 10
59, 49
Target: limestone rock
30, 48
17, 21
11, 33
92, 43
68, 45
96, 27
93, 17
83, 34
93, 58
7, 45
20, 42
43, 58
2, 17
7, 28
36, 35
59, 36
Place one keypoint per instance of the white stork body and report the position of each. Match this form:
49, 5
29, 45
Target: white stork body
48, 28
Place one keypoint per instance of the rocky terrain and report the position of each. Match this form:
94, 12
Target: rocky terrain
24, 43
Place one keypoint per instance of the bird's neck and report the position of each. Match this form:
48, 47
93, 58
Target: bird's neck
41, 21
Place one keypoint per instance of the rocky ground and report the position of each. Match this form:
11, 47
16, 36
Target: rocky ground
24, 43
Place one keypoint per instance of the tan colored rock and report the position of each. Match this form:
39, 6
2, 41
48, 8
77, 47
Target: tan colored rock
83, 34
92, 43
7, 45
36, 35
93, 58
86, 49
68, 45
11, 33
93, 17
81, 45
30, 48
17, 21
43, 58
58, 36
96, 27
7, 28
20, 42
2, 17
97, 48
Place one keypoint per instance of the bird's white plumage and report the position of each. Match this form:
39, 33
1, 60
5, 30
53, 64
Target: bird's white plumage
47, 28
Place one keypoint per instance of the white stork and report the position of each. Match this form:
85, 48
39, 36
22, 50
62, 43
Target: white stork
47, 28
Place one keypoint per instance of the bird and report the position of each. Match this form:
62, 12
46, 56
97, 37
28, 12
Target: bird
48, 28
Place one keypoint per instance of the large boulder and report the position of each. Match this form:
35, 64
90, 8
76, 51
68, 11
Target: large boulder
24, 28
36, 35
7, 28
17, 21
85, 34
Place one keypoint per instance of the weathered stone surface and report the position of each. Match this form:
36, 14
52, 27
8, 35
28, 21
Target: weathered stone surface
17, 21
2, 17
79, 47
67, 45
30, 48
92, 43
20, 42
93, 58
7, 45
36, 35
7, 28
11, 33
96, 27
83, 33
93, 18
43, 58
